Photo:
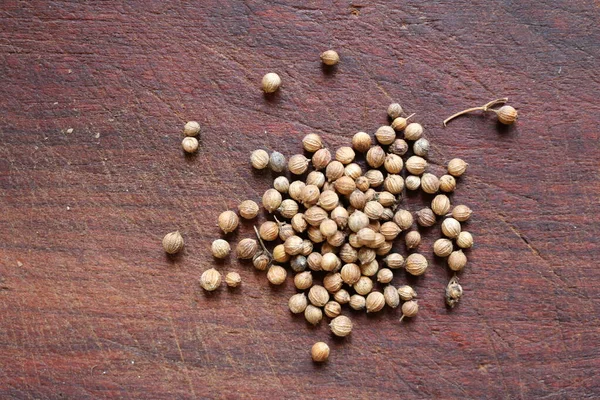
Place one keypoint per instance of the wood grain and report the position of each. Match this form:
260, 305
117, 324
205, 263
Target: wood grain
92, 308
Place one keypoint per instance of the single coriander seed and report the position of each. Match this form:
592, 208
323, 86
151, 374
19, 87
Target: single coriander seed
375, 302
259, 159
416, 264
391, 296
453, 292
173, 242
357, 302
341, 326
409, 309
412, 182
385, 275
189, 144
457, 167
413, 131
416, 165
271, 82
394, 261
248, 209
464, 240
506, 115
319, 352
276, 275
399, 147
421, 147
312, 142
385, 135
447, 183
440, 204
321, 159
246, 248
330, 57
412, 239
303, 280
375, 156
220, 248
277, 162
297, 303
210, 280
461, 213
345, 155
228, 221
451, 228
457, 260
281, 184
400, 123
404, 219
361, 142
332, 309
191, 128
443, 247
406, 293
271, 200
394, 110
298, 164
313, 314
233, 279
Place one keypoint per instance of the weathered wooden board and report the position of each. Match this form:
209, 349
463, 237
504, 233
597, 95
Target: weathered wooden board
91, 308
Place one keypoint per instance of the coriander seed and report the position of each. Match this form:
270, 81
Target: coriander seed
457, 167
210, 280
385, 275
173, 242
357, 302
369, 269
412, 182
506, 115
440, 204
342, 296
353, 171
447, 183
340, 216
457, 260
416, 264
320, 351
403, 219
191, 128
298, 263
375, 156
307, 247
416, 165
314, 261
412, 239
361, 142
316, 178
334, 171
393, 184
350, 273
366, 255
413, 131
390, 230
280, 255
277, 162
321, 159
394, 261
443, 247
233, 279
189, 144
293, 245
299, 223
248, 209
298, 164
281, 184
271, 200
400, 123
297, 303
375, 302
363, 286
430, 183
303, 280
391, 296
385, 135
399, 147
330, 57
426, 217
330, 262
451, 228
461, 213
345, 185
332, 309
421, 147
453, 292
406, 293
332, 282
246, 248
375, 177
259, 159
394, 110
345, 155
328, 200
341, 326
312, 142
220, 248
362, 183
409, 309
276, 275
271, 82
464, 240
261, 261
288, 208
328, 227
348, 254
315, 235
285, 231
313, 314
228, 221
393, 163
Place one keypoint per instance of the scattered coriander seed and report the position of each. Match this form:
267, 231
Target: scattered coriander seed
386, 198
191, 128
394, 110
210, 280
375, 302
399, 147
370, 268
412, 182
312, 142
287, 209
453, 292
315, 235
173, 242
285, 231
412, 239
506, 115
362, 183
330, 262
430, 183
353, 171
363, 286
276, 274
447, 183
320, 351
228, 221
421, 147
375, 177
348, 254
385, 248
443, 247
220, 248
293, 245
391, 296
426, 217
313, 314
413, 131
406, 293
394, 261
416, 165
373, 209
342, 296
375, 156
295, 190
298, 263
307, 247
366, 255
461, 213
281, 184
457, 167
233, 279
328, 200
303, 280
261, 261
271, 82
297, 303
248, 209
451, 228
271, 200
409, 309
345, 185
334, 171
340, 216
416, 264
280, 255
189, 144
330, 57
321, 159
345, 155
246, 248
314, 261
390, 230
457, 260
385, 135
394, 184
316, 178
350, 273
400, 123
403, 219
440, 204
333, 282
332, 309
298, 164
464, 240
277, 162
328, 227
259, 159
361, 142
357, 302
385, 275
341, 326
393, 163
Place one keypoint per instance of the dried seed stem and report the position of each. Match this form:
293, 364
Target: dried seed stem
484, 108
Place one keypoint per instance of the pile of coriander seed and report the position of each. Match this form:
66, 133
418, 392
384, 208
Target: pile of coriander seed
334, 224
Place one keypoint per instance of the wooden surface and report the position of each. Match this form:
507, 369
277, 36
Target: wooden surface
90, 307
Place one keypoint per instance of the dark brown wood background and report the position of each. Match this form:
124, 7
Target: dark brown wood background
90, 307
